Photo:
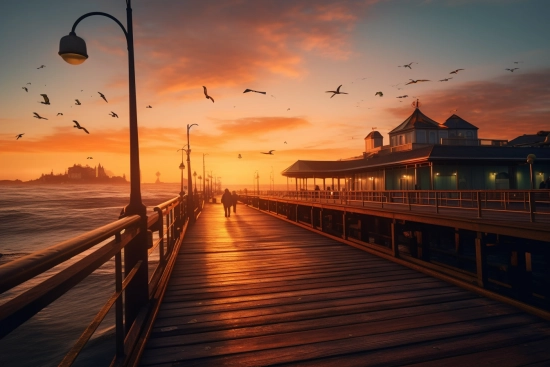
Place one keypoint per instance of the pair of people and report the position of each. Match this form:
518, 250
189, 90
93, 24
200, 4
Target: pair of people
229, 200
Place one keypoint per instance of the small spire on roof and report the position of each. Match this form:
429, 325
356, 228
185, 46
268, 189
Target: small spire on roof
416, 103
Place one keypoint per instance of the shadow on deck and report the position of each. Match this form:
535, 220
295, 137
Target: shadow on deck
253, 290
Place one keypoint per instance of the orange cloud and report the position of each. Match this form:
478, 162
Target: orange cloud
502, 108
256, 126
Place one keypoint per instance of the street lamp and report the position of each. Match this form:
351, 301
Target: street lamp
531, 159
182, 167
73, 50
204, 175
191, 207
195, 177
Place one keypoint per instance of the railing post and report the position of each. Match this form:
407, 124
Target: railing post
436, 203
119, 318
531, 206
344, 226
478, 204
394, 244
481, 260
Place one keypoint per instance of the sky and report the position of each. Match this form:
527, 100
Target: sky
294, 51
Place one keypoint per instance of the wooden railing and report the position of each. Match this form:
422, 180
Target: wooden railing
533, 205
138, 289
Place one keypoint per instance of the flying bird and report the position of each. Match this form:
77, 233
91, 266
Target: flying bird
285, 142
403, 96
512, 70
417, 81
28, 83
103, 96
59, 114
77, 125
46, 99
90, 158
407, 65
77, 102
149, 106
379, 94
113, 114
335, 92
37, 116
455, 71
25, 88
446, 79
19, 136
41, 66
252, 90
270, 152
206, 94
239, 156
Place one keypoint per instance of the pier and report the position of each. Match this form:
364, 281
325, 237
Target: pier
302, 279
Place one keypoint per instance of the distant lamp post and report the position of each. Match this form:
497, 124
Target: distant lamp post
195, 177
73, 50
531, 159
204, 175
191, 208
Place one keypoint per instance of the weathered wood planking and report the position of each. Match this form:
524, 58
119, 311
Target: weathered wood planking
252, 290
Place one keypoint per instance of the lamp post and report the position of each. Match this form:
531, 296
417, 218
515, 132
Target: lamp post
531, 159
182, 167
195, 177
73, 50
204, 175
191, 208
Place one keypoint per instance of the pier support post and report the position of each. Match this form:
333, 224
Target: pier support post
481, 260
394, 244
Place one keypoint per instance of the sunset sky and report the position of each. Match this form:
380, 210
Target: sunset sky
292, 50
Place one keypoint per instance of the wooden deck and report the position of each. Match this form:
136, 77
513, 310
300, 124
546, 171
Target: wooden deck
253, 290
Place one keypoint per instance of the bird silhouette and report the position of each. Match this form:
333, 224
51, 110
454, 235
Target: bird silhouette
445, 80
46, 99
252, 90
28, 83
149, 106
206, 94
103, 96
77, 125
403, 96
407, 65
239, 156
270, 152
41, 66
25, 88
37, 116
455, 71
288, 109
59, 114
77, 102
512, 70
90, 158
285, 142
412, 81
19, 136
113, 114
379, 94
335, 92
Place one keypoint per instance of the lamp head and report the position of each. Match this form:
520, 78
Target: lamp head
531, 158
73, 49
182, 166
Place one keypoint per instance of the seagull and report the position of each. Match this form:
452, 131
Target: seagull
206, 94
239, 156
59, 114
417, 81
102, 96
113, 114
335, 92
28, 83
270, 152
46, 99
149, 106
38, 116
90, 158
455, 71
379, 94
19, 136
41, 66
77, 102
77, 125
445, 80
251, 90
25, 88
407, 65
288, 109
285, 142
403, 96
512, 70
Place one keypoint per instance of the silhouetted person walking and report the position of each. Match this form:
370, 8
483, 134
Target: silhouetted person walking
234, 198
227, 201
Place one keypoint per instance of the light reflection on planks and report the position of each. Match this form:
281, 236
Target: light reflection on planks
252, 290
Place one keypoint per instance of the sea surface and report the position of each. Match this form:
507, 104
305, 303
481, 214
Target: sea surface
34, 217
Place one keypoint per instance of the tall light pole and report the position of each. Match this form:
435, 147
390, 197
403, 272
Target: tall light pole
73, 50
204, 175
182, 167
190, 206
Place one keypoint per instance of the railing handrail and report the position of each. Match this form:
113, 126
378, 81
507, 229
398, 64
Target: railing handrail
20, 270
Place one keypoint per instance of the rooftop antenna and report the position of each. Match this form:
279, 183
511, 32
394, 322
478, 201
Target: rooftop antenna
416, 103
374, 128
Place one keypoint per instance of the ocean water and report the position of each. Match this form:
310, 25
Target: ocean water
34, 217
